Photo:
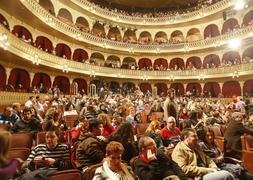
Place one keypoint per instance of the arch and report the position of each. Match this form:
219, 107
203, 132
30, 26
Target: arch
194, 88
145, 63
248, 88
62, 83
212, 30
44, 43
82, 24
3, 78
211, 60
193, 61
161, 89
48, 5
98, 29
231, 57
248, 19
161, 64
128, 87
4, 22
114, 86
19, 79
248, 53
144, 87
82, 84
130, 36
65, 16
161, 37
97, 58
41, 78
231, 88
80, 55
212, 88
230, 25
63, 50
176, 37
128, 62
145, 38
177, 63
98, 83
193, 35
22, 32
179, 88
114, 34
112, 61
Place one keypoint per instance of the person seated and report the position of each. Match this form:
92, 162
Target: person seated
90, 149
70, 110
233, 133
80, 127
112, 167
170, 134
8, 116
108, 128
27, 123
49, 156
153, 131
194, 162
212, 149
7, 167
153, 164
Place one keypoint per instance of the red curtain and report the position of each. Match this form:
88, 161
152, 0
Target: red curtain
179, 88
248, 53
161, 88
19, 77
248, 19
144, 63
248, 87
232, 56
211, 59
44, 43
22, 31
179, 62
194, 87
4, 22
144, 87
82, 84
212, 30
63, 49
159, 62
62, 83
213, 88
80, 55
41, 78
3, 78
196, 62
231, 88
229, 25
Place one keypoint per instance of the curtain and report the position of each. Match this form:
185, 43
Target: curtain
161, 88
80, 55
3, 78
63, 49
19, 77
82, 84
248, 87
144, 63
144, 87
196, 61
194, 87
161, 61
212, 87
248, 19
231, 88
229, 25
177, 62
44, 43
179, 88
41, 78
231, 56
211, 30
62, 83
4, 22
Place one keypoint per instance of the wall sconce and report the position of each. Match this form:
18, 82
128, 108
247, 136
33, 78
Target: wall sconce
4, 41
201, 77
65, 68
50, 21
172, 78
92, 74
144, 77
158, 50
235, 74
35, 59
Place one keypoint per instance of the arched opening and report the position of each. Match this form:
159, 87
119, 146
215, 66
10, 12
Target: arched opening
65, 16
145, 38
231, 58
144, 87
193, 62
177, 63
230, 25
248, 88
82, 24
211, 89
247, 54
4, 22
130, 36
47, 4
161, 38
128, 87
82, 85
176, 37
212, 30
128, 63
193, 35
113, 61
3, 78
248, 19
62, 83
23, 33
211, 61
97, 59
63, 50
19, 79
194, 88
179, 88
44, 44
80, 55
98, 29
161, 64
114, 34
114, 87
42, 81
145, 64
231, 88
161, 89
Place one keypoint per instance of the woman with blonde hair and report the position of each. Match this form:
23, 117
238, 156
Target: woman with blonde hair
7, 167
108, 128
153, 131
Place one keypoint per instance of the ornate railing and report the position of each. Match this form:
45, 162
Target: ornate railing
27, 51
178, 18
69, 30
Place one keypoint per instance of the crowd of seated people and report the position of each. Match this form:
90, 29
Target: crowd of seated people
105, 133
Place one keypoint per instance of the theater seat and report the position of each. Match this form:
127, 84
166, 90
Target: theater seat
70, 119
22, 140
140, 129
247, 159
71, 174
21, 153
40, 138
5, 127
90, 172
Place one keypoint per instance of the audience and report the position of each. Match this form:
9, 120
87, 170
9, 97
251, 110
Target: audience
8, 116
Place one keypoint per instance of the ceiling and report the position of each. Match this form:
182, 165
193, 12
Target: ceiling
149, 4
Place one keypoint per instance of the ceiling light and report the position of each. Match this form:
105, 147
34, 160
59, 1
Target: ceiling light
239, 5
234, 43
